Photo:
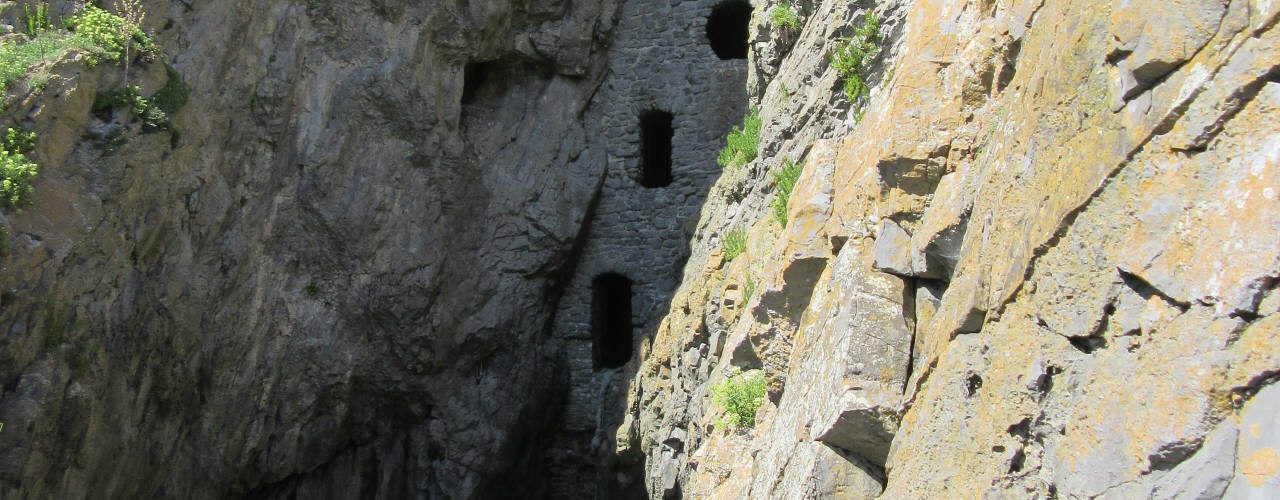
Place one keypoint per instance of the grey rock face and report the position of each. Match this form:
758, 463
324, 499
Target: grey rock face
337, 282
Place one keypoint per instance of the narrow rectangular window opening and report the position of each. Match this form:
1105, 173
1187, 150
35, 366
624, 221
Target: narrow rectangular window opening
611, 321
656, 134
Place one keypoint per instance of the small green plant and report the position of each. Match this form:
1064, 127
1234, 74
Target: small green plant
173, 96
36, 20
851, 58
740, 396
735, 242
784, 181
312, 290
16, 170
748, 290
4, 241
111, 33
129, 96
19, 140
783, 16
743, 143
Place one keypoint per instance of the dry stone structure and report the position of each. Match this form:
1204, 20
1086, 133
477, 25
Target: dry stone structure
662, 64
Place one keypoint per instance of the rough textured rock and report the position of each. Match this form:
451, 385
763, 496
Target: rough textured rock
335, 282
1042, 264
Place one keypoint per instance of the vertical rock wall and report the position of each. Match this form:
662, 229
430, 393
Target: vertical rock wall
1041, 264
334, 280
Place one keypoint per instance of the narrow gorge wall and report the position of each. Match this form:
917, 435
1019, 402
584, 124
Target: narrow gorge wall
1042, 263
335, 279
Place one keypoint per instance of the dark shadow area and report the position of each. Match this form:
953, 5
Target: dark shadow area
728, 29
610, 321
656, 133
476, 75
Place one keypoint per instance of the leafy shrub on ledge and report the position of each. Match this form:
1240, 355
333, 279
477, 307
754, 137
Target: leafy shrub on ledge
743, 143
735, 242
784, 17
784, 181
740, 396
110, 32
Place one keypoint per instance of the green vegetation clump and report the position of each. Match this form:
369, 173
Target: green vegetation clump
130, 96
36, 19
16, 170
735, 242
748, 290
175, 93
18, 59
784, 181
784, 17
743, 143
99, 34
111, 33
740, 396
852, 56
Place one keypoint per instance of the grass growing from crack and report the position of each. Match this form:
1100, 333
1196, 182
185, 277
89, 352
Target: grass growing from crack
735, 242
784, 182
783, 16
743, 143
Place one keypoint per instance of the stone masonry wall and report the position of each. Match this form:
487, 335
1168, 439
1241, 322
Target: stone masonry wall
660, 60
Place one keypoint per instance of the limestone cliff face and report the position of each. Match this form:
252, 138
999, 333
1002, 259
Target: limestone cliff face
1042, 264
336, 281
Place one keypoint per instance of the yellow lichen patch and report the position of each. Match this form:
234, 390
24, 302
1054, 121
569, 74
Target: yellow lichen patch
1260, 466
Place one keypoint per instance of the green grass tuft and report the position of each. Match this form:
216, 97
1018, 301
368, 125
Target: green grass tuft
740, 396
743, 143
19, 59
784, 182
784, 17
735, 242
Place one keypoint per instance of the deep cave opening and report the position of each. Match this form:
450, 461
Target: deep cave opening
728, 29
656, 134
610, 321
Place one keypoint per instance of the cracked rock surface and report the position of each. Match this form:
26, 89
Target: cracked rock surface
1042, 264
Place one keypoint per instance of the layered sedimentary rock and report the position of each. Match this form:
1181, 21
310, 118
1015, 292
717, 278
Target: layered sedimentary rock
1042, 263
